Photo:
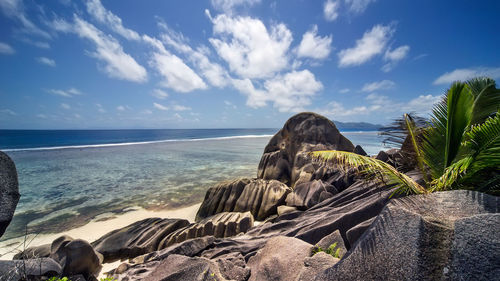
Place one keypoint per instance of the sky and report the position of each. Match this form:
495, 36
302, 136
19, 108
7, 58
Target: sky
102, 64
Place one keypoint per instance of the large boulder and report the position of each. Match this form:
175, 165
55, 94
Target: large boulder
30, 269
221, 225
9, 191
282, 258
260, 197
315, 265
308, 194
286, 157
137, 238
442, 236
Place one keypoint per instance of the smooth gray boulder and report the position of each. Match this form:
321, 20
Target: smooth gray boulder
449, 235
9, 191
282, 258
137, 238
260, 197
308, 194
286, 157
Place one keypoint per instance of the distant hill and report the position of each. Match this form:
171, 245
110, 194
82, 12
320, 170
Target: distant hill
357, 126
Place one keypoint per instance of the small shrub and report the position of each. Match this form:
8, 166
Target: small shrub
330, 250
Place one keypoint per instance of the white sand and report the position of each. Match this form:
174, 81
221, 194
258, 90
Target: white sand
95, 229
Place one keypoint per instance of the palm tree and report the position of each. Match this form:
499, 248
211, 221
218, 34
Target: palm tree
458, 148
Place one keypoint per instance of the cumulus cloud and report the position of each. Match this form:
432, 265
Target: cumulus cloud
379, 85
14, 9
358, 6
371, 44
394, 56
330, 10
249, 48
422, 104
228, 6
159, 94
6, 49
313, 46
71, 92
159, 106
98, 12
46, 61
117, 63
288, 93
463, 74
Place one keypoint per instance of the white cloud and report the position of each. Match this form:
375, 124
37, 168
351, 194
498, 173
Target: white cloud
215, 74
178, 76
14, 9
65, 106
288, 93
6, 49
118, 64
159, 94
358, 6
371, 44
230, 104
7, 111
463, 74
344, 91
71, 92
121, 108
228, 6
46, 61
97, 10
394, 56
159, 106
422, 104
379, 85
38, 44
180, 108
330, 10
100, 108
314, 46
249, 48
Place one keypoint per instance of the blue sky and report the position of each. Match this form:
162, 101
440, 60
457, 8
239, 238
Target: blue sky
235, 63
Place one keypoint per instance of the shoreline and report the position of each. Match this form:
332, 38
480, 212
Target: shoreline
95, 228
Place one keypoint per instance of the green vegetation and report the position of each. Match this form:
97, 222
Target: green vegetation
457, 148
66, 279
330, 250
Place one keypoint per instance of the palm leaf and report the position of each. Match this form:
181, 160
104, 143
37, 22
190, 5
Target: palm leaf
371, 169
486, 99
434, 140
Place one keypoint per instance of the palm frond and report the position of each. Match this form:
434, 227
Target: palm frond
486, 99
434, 140
371, 169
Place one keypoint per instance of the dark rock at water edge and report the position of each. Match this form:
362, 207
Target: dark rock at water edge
359, 150
286, 154
9, 191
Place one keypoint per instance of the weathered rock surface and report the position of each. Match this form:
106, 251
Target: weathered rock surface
332, 238
137, 238
306, 195
9, 191
282, 258
260, 197
76, 257
14, 270
445, 235
315, 265
286, 157
42, 251
221, 225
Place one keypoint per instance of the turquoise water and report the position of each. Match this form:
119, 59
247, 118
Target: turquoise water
66, 187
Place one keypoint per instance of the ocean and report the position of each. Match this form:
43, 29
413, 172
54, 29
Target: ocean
69, 177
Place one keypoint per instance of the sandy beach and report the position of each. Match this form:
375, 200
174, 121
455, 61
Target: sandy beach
95, 229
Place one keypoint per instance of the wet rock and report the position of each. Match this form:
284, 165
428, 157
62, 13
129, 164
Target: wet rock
9, 191
432, 237
137, 238
286, 157
260, 197
280, 259
306, 195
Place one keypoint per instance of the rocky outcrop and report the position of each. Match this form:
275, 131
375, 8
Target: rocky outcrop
225, 224
9, 191
359, 150
315, 265
32, 269
260, 197
282, 258
442, 236
137, 238
286, 157
308, 194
